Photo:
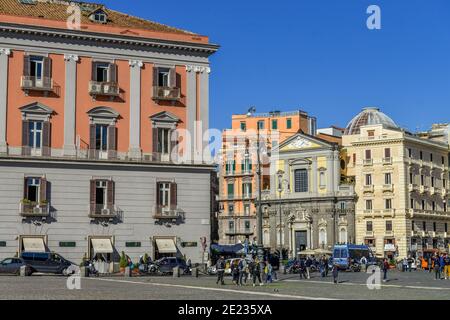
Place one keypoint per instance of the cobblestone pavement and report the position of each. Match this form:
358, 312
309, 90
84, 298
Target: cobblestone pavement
414, 285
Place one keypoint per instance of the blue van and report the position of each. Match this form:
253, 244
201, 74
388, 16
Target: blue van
348, 256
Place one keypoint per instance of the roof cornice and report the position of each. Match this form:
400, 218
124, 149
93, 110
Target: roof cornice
108, 38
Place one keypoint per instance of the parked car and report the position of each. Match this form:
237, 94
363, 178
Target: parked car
165, 265
46, 262
348, 256
13, 265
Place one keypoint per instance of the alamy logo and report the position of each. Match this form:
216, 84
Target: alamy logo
74, 280
74, 19
374, 20
374, 280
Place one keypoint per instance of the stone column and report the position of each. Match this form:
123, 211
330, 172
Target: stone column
69, 148
330, 173
191, 108
204, 107
314, 176
4, 54
135, 150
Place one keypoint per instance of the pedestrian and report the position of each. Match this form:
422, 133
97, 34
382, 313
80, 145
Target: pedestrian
308, 265
322, 268
302, 268
363, 262
242, 272
385, 269
220, 267
437, 267
335, 273
235, 272
404, 265
410, 262
269, 272
441, 264
430, 264
446, 267
255, 269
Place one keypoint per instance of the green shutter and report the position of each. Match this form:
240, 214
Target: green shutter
234, 166
230, 190
250, 189
289, 123
243, 166
274, 124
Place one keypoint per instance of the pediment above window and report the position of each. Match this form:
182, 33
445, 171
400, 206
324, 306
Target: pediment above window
105, 115
164, 119
36, 111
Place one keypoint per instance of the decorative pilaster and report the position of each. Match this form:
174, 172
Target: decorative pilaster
4, 54
135, 150
69, 148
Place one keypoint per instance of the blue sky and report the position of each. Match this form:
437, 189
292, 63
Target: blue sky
319, 56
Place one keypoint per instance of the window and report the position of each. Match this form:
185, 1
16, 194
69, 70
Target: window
424, 226
387, 152
354, 158
246, 209
431, 157
388, 204
35, 134
247, 190
289, 123
164, 194
322, 237
446, 227
387, 178
368, 179
422, 179
231, 225
101, 137
413, 226
99, 16
301, 180
163, 77
101, 193
421, 155
247, 165
36, 67
343, 235
434, 227
32, 189
163, 140
432, 181
243, 126
369, 205
343, 205
102, 72
231, 208
369, 226
322, 180
274, 124
411, 178
409, 152
433, 206
443, 160
389, 225
411, 204
424, 205
261, 124
230, 191
247, 225
368, 154
230, 166
371, 134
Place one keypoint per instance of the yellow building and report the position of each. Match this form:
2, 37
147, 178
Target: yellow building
401, 181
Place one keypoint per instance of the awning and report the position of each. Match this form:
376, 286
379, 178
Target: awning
102, 245
166, 246
33, 244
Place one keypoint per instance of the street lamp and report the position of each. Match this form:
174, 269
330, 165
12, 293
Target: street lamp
280, 175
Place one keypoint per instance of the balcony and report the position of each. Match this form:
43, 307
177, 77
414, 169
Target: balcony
369, 234
435, 191
97, 211
412, 187
388, 188
389, 233
423, 189
245, 232
34, 209
368, 162
369, 188
444, 192
29, 83
387, 161
166, 93
168, 214
108, 89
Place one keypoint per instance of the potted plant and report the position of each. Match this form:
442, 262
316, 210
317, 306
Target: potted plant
123, 262
136, 268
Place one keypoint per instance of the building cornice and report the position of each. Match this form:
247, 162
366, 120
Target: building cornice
108, 38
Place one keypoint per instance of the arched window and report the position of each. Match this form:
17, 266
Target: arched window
322, 237
343, 235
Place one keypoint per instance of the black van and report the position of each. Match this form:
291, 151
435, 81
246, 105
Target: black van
46, 262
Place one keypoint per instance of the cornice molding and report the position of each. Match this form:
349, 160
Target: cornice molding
198, 69
5, 51
136, 63
71, 57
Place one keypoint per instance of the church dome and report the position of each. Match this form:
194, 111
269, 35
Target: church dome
369, 116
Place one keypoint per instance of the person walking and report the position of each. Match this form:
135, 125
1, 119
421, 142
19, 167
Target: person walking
322, 268
410, 262
269, 272
363, 262
404, 265
255, 269
430, 264
437, 267
446, 267
385, 269
302, 268
235, 272
335, 272
242, 272
308, 265
220, 267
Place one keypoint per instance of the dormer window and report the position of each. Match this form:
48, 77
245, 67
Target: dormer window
99, 16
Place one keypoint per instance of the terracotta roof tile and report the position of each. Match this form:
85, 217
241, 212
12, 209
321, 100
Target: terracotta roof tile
57, 10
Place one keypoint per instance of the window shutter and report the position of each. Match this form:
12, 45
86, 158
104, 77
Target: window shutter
46, 134
234, 166
155, 139
26, 65
155, 76
243, 166
112, 141
250, 189
110, 193
173, 195
25, 137
47, 72
92, 194
94, 71
158, 203
172, 77
43, 189
92, 130
113, 72
25, 189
